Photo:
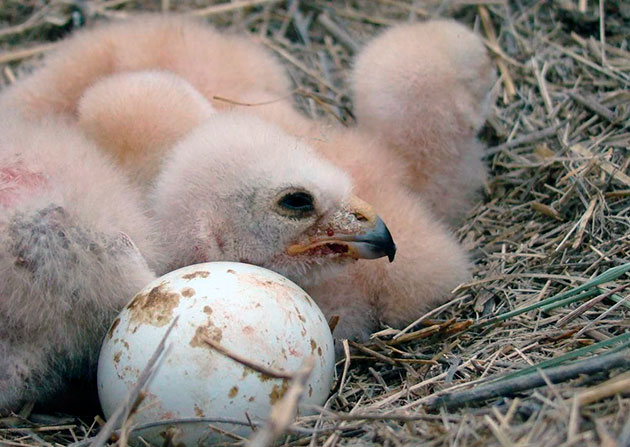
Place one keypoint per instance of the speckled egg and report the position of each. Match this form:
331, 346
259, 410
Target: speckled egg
250, 311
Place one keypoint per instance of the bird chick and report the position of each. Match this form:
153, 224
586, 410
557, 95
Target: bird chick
243, 166
216, 64
237, 187
71, 235
424, 91
234, 187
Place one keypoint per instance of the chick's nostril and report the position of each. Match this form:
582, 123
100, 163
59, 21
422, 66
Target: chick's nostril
360, 217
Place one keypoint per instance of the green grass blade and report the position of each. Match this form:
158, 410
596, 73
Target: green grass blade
624, 339
571, 299
565, 297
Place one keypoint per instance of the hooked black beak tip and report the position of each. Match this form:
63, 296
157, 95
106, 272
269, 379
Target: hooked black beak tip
392, 254
382, 240
389, 246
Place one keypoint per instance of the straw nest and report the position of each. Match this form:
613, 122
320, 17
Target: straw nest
532, 351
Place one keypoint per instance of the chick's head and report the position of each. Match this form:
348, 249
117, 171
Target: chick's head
239, 189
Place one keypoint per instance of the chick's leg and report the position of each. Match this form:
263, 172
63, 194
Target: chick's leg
423, 90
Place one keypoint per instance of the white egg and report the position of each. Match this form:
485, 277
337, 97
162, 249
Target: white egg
250, 311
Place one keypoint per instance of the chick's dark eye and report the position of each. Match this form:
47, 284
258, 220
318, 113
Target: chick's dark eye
297, 201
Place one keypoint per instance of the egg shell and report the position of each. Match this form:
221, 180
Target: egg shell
252, 312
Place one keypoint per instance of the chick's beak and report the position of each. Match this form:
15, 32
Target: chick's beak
353, 231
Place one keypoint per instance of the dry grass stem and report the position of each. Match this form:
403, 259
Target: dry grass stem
276, 374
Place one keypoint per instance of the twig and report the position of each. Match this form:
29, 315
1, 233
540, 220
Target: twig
525, 139
386, 416
197, 420
542, 86
368, 351
276, 374
228, 7
594, 106
608, 72
586, 306
23, 53
8, 73
606, 166
622, 341
33, 21
420, 333
346, 365
284, 411
338, 33
254, 104
311, 73
508, 82
618, 384
583, 222
333, 321
428, 315
602, 32
510, 387
603, 315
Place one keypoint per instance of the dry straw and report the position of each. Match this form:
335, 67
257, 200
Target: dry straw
531, 350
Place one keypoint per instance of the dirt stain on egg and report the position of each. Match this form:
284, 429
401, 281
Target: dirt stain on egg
154, 308
263, 377
199, 411
233, 392
198, 274
188, 292
113, 328
207, 331
299, 314
278, 391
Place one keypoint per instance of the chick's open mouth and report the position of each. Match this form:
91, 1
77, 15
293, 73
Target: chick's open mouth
355, 249
323, 249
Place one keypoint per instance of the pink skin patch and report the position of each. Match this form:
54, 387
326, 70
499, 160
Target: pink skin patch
15, 181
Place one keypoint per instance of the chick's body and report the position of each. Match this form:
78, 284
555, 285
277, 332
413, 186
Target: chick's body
67, 260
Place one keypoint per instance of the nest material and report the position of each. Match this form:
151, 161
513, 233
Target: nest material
555, 216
